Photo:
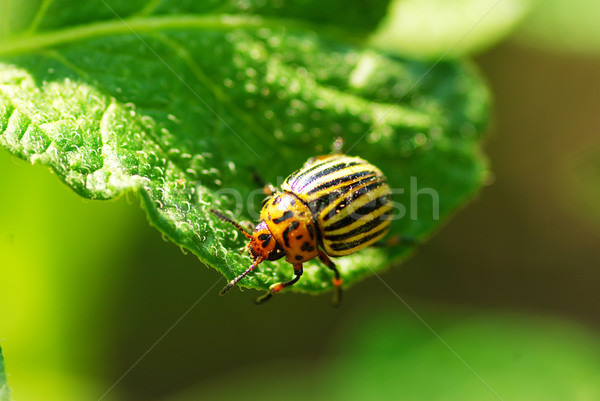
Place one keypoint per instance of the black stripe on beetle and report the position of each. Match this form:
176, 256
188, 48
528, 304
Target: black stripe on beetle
296, 176
307, 247
332, 169
317, 205
344, 246
287, 215
320, 174
362, 211
311, 232
341, 180
293, 225
351, 197
267, 241
368, 226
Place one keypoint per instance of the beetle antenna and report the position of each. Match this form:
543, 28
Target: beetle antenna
227, 219
241, 276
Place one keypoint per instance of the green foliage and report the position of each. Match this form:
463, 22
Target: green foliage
435, 28
34, 16
505, 356
179, 101
563, 25
4, 390
392, 356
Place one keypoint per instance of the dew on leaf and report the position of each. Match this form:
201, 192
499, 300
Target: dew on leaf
420, 139
231, 166
373, 136
297, 127
250, 87
165, 138
173, 118
269, 114
294, 87
435, 133
274, 41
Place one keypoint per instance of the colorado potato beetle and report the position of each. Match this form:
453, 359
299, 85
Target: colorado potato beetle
334, 205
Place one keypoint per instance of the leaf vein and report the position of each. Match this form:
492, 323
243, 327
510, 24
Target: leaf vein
39, 16
149, 8
233, 108
214, 22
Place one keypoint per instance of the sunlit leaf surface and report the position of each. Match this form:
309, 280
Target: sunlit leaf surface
4, 390
438, 28
180, 103
563, 25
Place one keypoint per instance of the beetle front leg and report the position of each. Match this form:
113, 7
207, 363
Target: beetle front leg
275, 288
337, 280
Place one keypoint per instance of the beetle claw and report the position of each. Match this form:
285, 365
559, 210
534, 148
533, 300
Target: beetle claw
264, 298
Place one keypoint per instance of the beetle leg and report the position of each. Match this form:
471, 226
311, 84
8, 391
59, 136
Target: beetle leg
337, 280
269, 189
275, 288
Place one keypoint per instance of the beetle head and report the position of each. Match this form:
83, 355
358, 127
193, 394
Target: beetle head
262, 246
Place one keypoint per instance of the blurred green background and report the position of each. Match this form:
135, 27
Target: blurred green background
502, 303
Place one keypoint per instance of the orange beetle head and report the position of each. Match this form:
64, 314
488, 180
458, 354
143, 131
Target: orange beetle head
262, 244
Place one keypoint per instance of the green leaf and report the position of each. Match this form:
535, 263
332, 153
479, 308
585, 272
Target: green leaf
563, 25
181, 107
434, 28
31, 16
4, 390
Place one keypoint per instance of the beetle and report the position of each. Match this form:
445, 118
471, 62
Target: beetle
335, 205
